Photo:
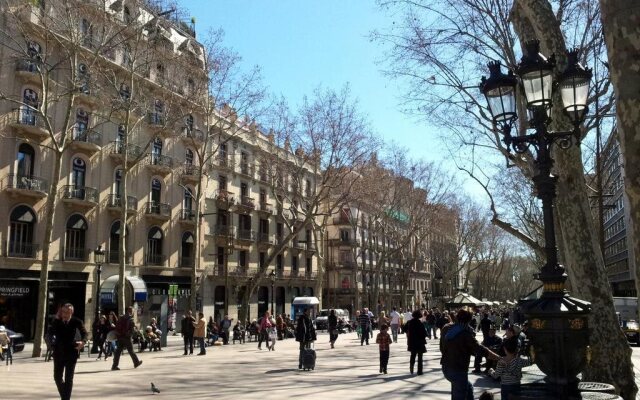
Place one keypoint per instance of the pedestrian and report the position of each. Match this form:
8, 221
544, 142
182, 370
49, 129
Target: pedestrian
124, 330
371, 323
492, 342
384, 341
225, 326
263, 330
101, 332
357, 324
200, 332
332, 324
364, 323
416, 340
485, 325
305, 333
509, 370
5, 345
395, 323
457, 344
280, 326
186, 329
69, 336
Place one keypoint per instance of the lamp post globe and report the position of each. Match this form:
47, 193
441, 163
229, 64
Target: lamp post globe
574, 85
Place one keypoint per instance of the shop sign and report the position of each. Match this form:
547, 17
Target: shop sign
14, 291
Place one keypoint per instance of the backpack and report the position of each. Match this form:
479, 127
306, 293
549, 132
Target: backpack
122, 326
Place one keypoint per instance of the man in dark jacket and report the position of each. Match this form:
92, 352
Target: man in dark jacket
305, 333
485, 325
68, 335
492, 342
124, 330
364, 320
186, 329
416, 340
457, 344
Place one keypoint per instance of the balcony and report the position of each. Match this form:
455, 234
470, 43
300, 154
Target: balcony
310, 247
263, 177
113, 257
157, 122
344, 242
25, 186
223, 163
134, 152
188, 216
192, 136
190, 173
28, 123
224, 199
187, 262
80, 195
264, 239
310, 275
21, 249
114, 203
224, 231
28, 71
79, 254
84, 95
160, 164
155, 259
245, 205
242, 272
280, 240
246, 169
246, 235
265, 208
341, 220
296, 245
86, 140
158, 211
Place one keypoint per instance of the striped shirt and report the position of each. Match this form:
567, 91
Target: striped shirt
364, 320
510, 372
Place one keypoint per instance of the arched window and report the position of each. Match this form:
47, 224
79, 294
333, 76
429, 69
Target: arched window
154, 247
82, 124
74, 248
159, 73
126, 15
23, 221
187, 202
188, 121
117, 183
191, 87
156, 150
156, 191
26, 157
28, 111
187, 250
79, 173
188, 157
114, 242
125, 92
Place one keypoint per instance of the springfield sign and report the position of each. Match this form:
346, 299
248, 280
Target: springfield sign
14, 291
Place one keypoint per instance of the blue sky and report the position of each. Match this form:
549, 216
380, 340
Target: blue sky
301, 45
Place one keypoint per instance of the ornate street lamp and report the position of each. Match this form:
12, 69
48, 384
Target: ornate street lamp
98, 258
558, 322
272, 276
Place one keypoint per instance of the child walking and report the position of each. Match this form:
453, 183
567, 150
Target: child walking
509, 370
384, 341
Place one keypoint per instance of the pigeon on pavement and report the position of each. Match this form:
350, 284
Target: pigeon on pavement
154, 389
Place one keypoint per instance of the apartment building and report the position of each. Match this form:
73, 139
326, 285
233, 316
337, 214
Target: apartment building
619, 261
357, 241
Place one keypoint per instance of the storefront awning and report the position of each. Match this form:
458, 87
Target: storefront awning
108, 289
305, 301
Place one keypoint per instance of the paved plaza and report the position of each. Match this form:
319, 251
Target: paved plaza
241, 371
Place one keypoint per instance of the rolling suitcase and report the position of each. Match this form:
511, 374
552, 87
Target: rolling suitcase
308, 359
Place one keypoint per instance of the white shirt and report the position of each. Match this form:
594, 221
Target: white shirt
395, 318
407, 317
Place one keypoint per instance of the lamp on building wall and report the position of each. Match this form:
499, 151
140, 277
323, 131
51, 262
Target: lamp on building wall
98, 259
272, 277
557, 322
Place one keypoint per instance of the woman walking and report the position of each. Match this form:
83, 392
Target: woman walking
416, 340
263, 330
332, 322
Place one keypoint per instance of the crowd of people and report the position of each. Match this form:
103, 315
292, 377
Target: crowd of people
456, 331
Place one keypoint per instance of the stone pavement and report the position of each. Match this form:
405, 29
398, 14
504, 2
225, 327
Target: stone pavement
241, 371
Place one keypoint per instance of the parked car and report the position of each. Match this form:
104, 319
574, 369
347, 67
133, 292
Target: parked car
632, 331
17, 340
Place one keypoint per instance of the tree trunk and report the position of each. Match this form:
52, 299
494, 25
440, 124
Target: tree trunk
621, 26
43, 290
611, 360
